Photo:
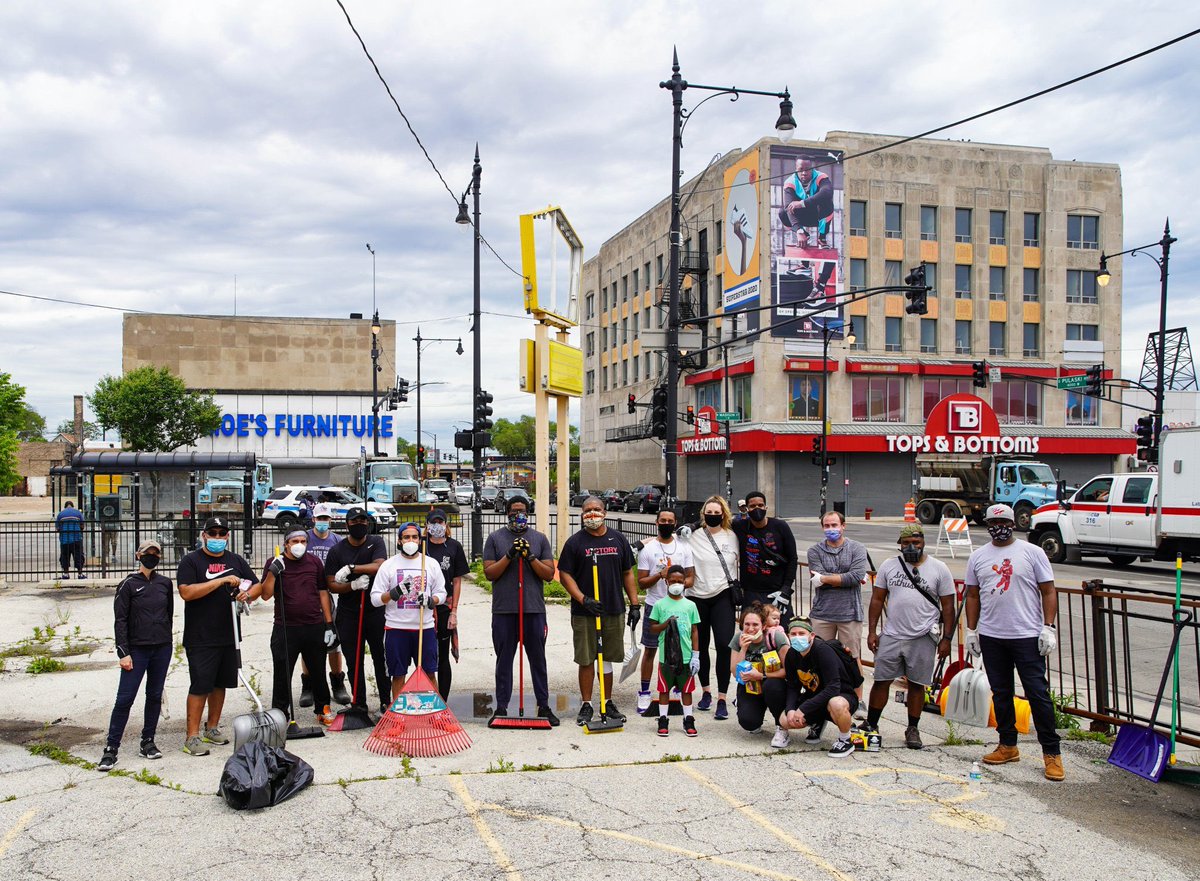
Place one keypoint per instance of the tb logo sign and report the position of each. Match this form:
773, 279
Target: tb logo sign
966, 417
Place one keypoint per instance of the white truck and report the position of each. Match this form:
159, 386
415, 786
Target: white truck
1129, 517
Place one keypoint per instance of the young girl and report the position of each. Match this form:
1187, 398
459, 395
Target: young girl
772, 625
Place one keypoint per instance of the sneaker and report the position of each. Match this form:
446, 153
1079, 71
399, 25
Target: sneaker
306, 695
912, 738
384, 707
337, 682
860, 715
1002, 755
781, 739
547, 713
611, 711
498, 713
1054, 768
689, 726
664, 726
585, 714
215, 735
814, 733
326, 717
705, 702
149, 750
841, 748
194, 746
108, 761
722, 712
643, 702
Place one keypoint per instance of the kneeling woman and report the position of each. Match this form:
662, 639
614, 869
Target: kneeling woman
761, 686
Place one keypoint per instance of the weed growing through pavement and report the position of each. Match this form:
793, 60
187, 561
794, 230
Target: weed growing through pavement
408, 770
1063, 719
954, 738
8, 798
56, 753
1103, 737
545, 766
147, 776
45, 664
500, 766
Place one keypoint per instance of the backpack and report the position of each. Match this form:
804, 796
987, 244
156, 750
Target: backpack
851, 674
673, 651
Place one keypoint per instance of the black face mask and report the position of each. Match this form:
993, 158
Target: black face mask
758, 515
359, 530
666, 530
713, 519
150, 561
911, 553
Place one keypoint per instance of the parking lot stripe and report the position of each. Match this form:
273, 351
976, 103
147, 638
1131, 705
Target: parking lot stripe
485, 832
11, 835
745, 809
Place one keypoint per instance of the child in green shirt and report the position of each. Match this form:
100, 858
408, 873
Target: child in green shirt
675, 610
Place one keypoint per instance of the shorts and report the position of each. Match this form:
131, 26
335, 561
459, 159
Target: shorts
911, 658
583, 628
821, 716
848, 633
649, 640
400, 648
211, 667
684, 682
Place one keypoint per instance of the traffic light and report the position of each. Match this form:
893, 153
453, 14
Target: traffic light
816, 445
690, 416
918, 296
658, 412
464, 440
401, 389
420, 455
633, 403
483, 410
818, 451
1095, 382
1146, 451
979, 374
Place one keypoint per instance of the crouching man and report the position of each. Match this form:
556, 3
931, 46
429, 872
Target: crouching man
821, 678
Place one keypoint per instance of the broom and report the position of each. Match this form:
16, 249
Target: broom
355, 716
533, 722
418, 724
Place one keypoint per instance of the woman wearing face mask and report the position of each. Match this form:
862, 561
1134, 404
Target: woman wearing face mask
759, 689
410, 587
144, 605
448, 553
654, 559
304, 604
321, 539
715, 592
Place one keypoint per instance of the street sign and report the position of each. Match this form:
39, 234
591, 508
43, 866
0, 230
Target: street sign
1073, 382
993, 374
729, 417
657, 339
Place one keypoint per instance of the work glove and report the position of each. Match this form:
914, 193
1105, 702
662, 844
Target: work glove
683, 531
1047, 640
331, 639
973, 647
513, 551
395, 594
634, 616
361, 583
816, 580
694, 663
426, 601
592, 607
276, 566
343, 575
522, 546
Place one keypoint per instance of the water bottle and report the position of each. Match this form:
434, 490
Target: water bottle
976, 775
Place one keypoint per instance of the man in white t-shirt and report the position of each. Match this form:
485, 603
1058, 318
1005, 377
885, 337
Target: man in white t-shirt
1011, 605
654, 559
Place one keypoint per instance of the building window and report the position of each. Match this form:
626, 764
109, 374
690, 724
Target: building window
1083, 231
891, 272
858, 273
624, 373
603, 379
1033, 230
646, 274
891, 221
996, 222
877, 398
589, 380
1031, 347
1083, 332
933, 390
720, 238
637, 364
635, 319
996, 338
635, 287
893, 335
962, 224
929, 223
658, 269
962, 337
708, 395
806, 396
929, 336
1029, 285
604, 299
603, 337
861, 325
962, 282
931, 270
646, 364
590, 349
624, 331
1082, 409
1017, 402
996, 282
590, 306
739, 391
858, 218
1081, 286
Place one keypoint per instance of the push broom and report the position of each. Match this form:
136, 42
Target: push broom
604, 724
519, 721
356, 716
418, 724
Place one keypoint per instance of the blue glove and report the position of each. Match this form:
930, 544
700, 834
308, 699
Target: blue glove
694, 663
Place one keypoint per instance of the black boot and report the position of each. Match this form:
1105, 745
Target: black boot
338, 682
306, 698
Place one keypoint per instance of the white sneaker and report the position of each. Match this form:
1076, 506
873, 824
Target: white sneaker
643, 702
781, 738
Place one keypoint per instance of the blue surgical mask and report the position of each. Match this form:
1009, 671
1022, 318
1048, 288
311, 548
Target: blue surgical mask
800, 643
320, 527
833, 534
215, 545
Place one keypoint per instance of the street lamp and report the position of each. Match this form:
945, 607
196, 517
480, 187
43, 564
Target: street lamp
785, 125
1104, 276
476, 385
420, 341
375, 368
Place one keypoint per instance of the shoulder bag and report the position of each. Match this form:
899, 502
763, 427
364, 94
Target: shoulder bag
735, 586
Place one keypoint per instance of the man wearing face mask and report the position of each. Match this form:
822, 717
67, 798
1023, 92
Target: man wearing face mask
510, 554
321, 538
768, 556
304, 604
410, 587
209, 579
919, 592
656, 557
449, 554
606, 552
821, 682
838, 566
1011, 605
350, 567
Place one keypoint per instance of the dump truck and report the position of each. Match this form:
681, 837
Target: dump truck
949, 487
389, 480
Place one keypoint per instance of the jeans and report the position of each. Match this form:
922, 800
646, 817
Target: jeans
716, 625
151, 661
506, 645
307, 640
1000, 656
66, 552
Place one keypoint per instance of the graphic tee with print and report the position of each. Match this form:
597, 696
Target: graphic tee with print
1010, 604
909, 614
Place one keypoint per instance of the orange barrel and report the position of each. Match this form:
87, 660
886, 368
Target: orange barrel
910, 511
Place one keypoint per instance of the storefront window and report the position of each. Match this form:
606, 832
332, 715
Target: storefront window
1017, 402
1082, 409
806, 396
877, 398
933, 390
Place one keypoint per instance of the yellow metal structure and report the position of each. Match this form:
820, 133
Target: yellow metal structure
539, 307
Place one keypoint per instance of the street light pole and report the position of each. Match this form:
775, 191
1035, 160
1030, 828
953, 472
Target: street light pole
375, 328
824, 411
418, 339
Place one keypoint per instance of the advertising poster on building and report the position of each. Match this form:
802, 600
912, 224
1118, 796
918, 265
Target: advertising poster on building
740, 250
807, 238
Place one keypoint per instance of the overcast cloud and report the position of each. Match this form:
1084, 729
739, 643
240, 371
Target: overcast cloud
153, 152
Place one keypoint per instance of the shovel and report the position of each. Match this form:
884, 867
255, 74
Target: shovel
1140, 749
969, 698
268, 728
633, 656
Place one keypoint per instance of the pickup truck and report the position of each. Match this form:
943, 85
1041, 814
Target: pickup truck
1127, 517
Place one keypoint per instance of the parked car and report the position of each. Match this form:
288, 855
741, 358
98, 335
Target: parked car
577, 498
614, 499
282, 508
438, 489
488, 495
507, 492
644, 499
464, 493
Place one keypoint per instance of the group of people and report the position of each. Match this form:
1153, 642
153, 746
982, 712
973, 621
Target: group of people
717, 591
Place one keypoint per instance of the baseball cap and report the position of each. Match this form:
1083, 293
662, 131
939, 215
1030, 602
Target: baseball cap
911, 529
435, 514
999, 512
356, 513
323, 510
149, 544
741, 502
216, 523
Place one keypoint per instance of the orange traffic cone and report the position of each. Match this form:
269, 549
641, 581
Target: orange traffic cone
910, 511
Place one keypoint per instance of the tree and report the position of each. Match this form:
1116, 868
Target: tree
12, 420
406, 450
91, 431
153, 410
33, 426
515, 440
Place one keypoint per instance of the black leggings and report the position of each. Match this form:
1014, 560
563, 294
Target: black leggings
716, 624
445, 635
752, 709
303, 640
354, 652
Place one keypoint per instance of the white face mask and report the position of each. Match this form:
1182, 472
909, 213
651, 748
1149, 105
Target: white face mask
675, 589
409, 548
298, 550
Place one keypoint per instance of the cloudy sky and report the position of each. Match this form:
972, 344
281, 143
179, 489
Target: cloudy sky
152, 152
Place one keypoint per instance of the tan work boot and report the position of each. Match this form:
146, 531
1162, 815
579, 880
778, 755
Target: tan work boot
1054, 768
1002, 755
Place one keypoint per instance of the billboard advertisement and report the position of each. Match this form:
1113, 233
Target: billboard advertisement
741, 249
807, 187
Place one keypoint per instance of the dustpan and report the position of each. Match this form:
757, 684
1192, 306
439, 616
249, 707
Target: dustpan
968, 700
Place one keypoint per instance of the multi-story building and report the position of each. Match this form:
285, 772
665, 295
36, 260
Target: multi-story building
1010, 238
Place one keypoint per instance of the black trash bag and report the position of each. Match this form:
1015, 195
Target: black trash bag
258, 776
673, 661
